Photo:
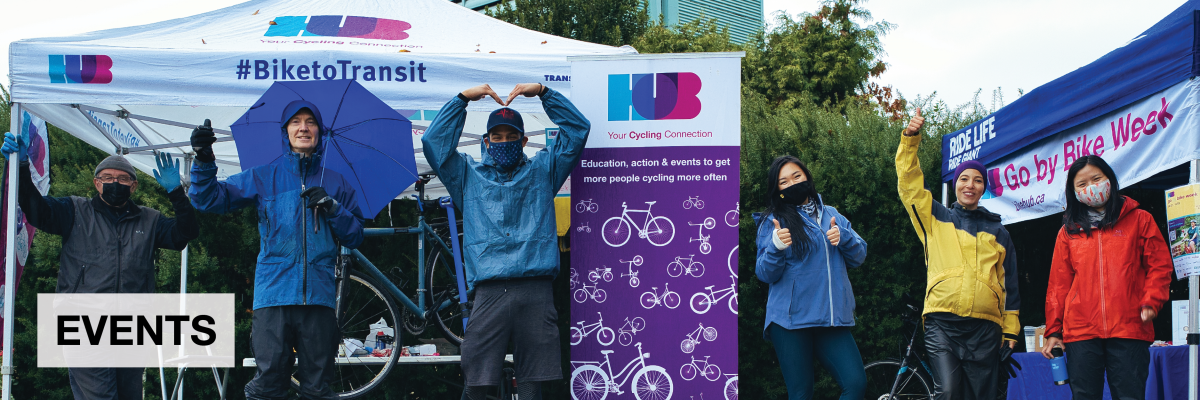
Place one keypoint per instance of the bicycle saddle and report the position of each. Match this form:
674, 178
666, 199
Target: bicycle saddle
606, 352
651, 202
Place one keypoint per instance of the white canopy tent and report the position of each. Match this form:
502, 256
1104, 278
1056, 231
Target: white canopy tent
140, 90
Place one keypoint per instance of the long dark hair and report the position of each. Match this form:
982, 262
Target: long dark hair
1075, 219
786, 214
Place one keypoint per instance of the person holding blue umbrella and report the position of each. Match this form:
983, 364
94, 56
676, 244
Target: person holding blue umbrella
511, 247
305, 212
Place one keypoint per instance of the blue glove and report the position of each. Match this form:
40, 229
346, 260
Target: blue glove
16, 143
167, 173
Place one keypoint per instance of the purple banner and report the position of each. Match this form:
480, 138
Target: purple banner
654, 273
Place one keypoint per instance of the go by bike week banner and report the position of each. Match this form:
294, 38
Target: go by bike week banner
1138, 140
654, 227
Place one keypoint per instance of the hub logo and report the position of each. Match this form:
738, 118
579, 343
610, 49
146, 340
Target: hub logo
72, 68
675, 99
331, 25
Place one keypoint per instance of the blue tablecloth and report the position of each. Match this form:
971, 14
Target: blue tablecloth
1167, 380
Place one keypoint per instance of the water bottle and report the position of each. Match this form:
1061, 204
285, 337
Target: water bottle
380, 344
1058, 367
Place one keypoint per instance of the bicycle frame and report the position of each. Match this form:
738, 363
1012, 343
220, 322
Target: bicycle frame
640, 360
641, 229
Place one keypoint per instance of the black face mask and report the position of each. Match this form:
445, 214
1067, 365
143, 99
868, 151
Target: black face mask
115, 194
797, 194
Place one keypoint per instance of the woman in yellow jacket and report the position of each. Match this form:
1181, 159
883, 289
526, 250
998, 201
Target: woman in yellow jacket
971, 297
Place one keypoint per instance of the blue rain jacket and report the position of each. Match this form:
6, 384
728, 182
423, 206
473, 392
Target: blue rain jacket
812, 290
283, 276
508, 216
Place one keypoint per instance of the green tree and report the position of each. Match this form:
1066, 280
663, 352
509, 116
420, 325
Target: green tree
699, 35
823, 57
611, 22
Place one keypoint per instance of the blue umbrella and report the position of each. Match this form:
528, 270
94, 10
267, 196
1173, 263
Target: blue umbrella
366, 141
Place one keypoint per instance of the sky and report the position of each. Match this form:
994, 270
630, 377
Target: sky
950, 47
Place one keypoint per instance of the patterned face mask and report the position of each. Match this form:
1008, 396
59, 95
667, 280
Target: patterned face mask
1094, 195
506, 154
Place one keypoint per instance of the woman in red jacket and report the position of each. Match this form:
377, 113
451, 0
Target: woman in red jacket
1109, 278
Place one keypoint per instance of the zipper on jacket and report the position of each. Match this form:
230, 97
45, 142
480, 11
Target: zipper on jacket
303, 234
828, 268
1103, 299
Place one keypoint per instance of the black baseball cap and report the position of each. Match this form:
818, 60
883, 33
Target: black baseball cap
506, 116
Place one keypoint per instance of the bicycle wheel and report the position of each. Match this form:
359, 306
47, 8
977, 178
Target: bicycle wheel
615, 231
660, 231
638, 324
649, 300
581, 295
688, 372
634, 282
731, 218
362, 304
593, 276
608, 276
710, 222
626, 338
710, 334
671, 300
705, 248
731, 388
701, 303
592, 208
589, 382
652, 383
442, 299
576, 336
696, 269
579, 207
637, 260
605, 336
687, 346
731, 261
733, 303
674, 269
712, 372
687, 204
882, 376
600, 295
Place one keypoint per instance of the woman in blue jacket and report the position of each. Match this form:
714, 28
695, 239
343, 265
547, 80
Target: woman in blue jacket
804, 249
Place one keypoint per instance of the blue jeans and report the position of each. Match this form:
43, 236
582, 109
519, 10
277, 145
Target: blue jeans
833, 346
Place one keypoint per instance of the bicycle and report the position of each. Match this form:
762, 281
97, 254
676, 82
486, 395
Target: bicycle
577, 334
710, 371
587, 205
908, 377
693, 268
659, 231
701, 301
732, 216
689, 345
583, 228
731, 387
591, 382
635, 325
601, 272
583, 294
633, 279
651, 299
693, 201
364, 295
708, 223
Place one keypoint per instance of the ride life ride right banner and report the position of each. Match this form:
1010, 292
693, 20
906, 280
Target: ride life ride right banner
654, 227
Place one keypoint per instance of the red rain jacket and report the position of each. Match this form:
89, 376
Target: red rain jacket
1099, 284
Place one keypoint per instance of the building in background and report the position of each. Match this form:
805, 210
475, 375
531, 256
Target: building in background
743, 17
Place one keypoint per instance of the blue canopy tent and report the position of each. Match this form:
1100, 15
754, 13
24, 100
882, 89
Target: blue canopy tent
1138, 107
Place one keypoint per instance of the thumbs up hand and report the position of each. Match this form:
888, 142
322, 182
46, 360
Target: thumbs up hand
834, 234
202, 141
914, 124
783, 234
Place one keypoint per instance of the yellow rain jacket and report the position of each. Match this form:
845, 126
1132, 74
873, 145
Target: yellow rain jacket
971, 263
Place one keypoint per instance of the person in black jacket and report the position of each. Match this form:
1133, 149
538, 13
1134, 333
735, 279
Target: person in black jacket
108, 244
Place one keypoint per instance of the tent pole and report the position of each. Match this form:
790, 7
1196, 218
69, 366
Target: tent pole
10, 259
1193, 337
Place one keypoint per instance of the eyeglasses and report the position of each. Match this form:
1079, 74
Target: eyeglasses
123, 179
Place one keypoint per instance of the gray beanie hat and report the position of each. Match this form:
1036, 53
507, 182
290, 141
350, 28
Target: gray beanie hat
118, 163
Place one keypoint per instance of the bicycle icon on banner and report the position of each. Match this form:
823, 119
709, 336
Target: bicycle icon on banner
633, 279
732, 216
605, 335
693, 201
657, 230
669, 299
632, 327
602, 272
587, 205
592, 292
574, 278
591, 382
731, 387
689, 345
710, 371
693, 268
702, 302
583, 228
708, 223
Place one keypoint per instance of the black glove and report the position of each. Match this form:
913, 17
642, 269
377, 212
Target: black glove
1008, 364
318, 199
202, 141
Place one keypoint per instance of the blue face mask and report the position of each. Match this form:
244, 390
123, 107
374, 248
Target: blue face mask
506, 154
